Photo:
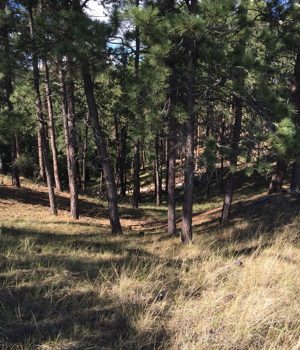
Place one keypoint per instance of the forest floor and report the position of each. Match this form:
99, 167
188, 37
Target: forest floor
68, 284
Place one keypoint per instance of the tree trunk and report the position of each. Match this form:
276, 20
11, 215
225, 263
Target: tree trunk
42, 173
171, 140
8, 91
52, 128
14, 155
238, 105
136, 196
277, 179
118, 156
101, 147
295, 181
157, 171
187, 209
72, 149
295, 91
67, 92
122, 165
172, 174
84, 155
39, 111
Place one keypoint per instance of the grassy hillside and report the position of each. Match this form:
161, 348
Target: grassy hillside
70, 285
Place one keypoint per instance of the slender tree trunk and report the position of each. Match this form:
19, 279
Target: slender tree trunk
72, 149
277, 179
157, 171
166, 158
101, 147
39, 111
187, 209
84, 155
143, 156
122, 165
171, 140
136, 196
8, 91
64, 110
14, 155
238, 105
42, 173
52, 128
172, 175
118, 156
68, 110
295, 91
295, 181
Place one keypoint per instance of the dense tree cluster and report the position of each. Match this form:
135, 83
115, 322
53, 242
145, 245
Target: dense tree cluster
189, 90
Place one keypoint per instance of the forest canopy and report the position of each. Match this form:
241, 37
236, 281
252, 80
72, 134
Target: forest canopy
185, 93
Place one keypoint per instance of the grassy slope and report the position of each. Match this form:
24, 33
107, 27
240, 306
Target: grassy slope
70, 285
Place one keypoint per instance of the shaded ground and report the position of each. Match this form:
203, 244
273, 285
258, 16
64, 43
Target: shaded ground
68, 284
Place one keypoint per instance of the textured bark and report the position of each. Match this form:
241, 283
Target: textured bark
295, 91
51, 128
40, 115
172, 176
101, 147
42, 173
4, 36
158, 172
72, 149
277, 179
295, 180
14, 168
238, 107
123, 162
136, 196
171, 142
187, 209
295, 88
68, 112
84, 155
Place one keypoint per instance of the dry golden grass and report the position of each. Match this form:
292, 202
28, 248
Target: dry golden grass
68, 284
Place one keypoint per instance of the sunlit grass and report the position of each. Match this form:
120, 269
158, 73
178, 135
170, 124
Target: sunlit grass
68, 284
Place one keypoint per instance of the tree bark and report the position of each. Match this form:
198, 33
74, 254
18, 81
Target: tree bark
101, 147
51, 128
8, 91
72, 149
172, 175
14, 155
40, 115
238, 105
42, 173
158, 172
277, 179
295, 180
295, 91
136, 196
171, 142
187, 209
84, 156
123, 162
68, 111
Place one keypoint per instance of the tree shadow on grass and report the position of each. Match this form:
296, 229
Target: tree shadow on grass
48, 294
265, 216
86, 208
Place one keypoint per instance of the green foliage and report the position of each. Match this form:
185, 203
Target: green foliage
210, 154
284, 141
26, 164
